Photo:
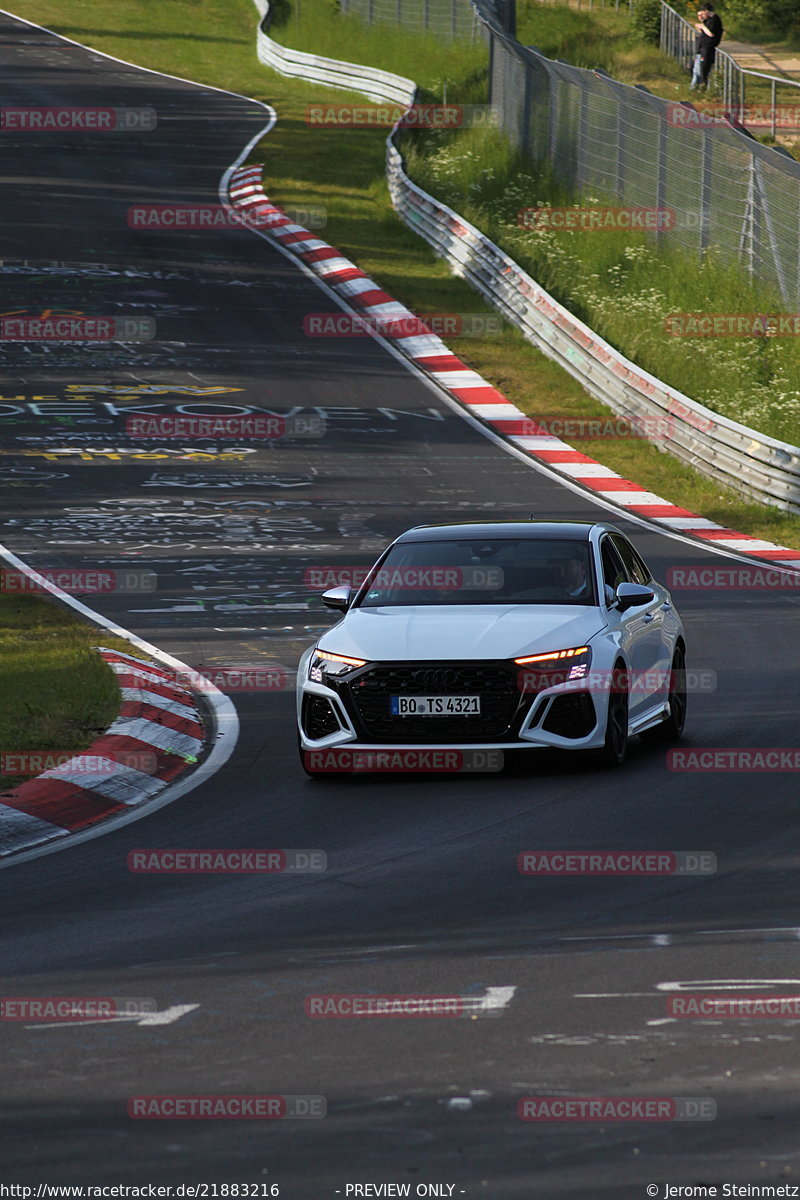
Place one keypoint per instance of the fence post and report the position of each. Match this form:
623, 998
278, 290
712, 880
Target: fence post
619, 168
552, 115
749, 242
755, 220
774, 245
583, 113
661, 174
527, 90
774, 124
705, 192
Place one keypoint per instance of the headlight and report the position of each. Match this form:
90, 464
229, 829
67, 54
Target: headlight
555, 666
322, 663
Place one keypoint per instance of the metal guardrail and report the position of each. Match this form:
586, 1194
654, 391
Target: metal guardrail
678, 38
756, 466
351, 77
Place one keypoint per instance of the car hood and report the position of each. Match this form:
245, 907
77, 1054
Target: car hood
460, 632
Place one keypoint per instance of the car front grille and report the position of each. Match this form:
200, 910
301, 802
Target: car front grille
501, 701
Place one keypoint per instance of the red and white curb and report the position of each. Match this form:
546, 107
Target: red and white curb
480, 398
159, 725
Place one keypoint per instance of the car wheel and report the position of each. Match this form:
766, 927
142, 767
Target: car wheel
671, 730
616, 743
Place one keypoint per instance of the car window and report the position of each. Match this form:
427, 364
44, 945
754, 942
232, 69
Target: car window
482, 571
637, 571
614, 572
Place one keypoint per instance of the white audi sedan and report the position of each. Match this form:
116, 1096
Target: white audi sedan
504, 636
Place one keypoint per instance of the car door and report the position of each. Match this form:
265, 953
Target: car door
662, 625
639, 641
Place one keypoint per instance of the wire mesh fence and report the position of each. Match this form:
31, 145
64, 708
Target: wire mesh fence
721, 190
444, 19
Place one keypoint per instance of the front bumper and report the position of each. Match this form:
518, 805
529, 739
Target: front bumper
565, 717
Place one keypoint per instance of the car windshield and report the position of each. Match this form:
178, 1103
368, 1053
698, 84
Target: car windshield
485, 571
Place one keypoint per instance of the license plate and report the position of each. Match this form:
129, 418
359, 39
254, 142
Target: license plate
436, 706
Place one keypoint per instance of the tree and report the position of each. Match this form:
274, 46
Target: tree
764, 18
646, 19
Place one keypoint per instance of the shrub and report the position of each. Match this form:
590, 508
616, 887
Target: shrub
646, 20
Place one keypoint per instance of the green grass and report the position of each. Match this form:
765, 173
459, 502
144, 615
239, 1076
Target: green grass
56, 692
343, 169
596, 39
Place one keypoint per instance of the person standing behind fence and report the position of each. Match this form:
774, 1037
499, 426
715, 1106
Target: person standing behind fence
709, 35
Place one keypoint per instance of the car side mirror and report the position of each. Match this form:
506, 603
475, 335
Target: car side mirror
632, 595
338, 598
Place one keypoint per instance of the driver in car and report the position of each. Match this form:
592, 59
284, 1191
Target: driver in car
570, 576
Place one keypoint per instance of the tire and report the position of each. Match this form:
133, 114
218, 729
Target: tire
616, 743
672, 729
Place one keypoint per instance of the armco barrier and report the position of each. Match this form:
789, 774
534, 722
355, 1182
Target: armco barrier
756, 466
378, 85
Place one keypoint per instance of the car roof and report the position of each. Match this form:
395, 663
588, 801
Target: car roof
574, 531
